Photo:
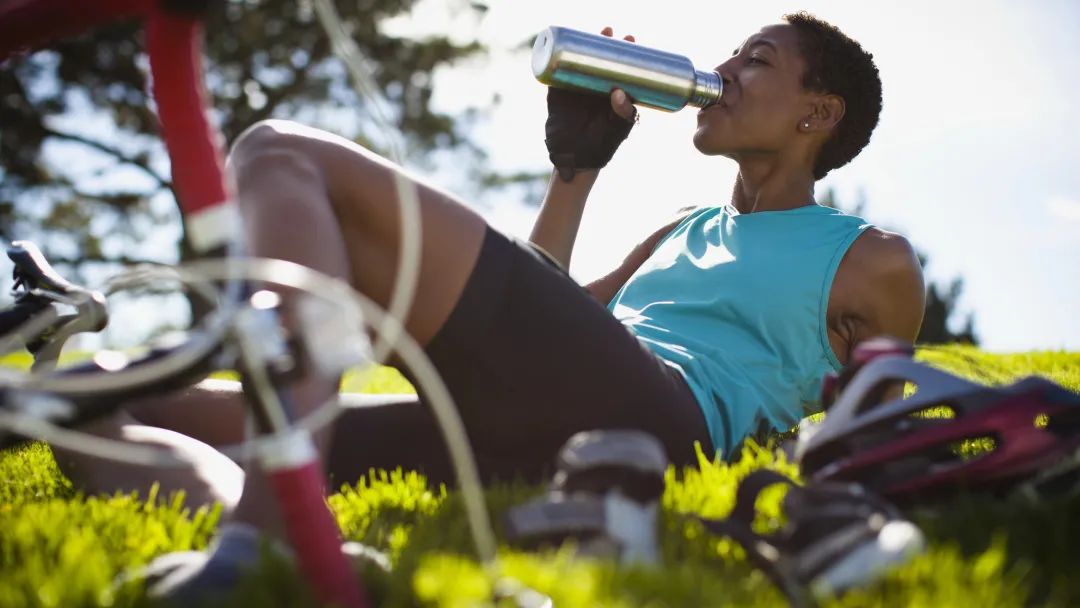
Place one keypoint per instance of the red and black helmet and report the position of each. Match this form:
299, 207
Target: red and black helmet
950, 434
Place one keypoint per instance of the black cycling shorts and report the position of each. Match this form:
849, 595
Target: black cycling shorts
530, 358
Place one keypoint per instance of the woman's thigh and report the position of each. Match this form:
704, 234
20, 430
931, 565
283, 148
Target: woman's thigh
532, 358
288, 172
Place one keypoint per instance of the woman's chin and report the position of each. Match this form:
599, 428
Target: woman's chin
699, 141
705, 145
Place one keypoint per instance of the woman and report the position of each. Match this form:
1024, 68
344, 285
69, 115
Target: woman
717, 326
734, 312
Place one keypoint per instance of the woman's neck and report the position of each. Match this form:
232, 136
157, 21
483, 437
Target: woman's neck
767, 189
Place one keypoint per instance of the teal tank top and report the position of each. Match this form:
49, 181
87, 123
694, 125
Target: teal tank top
736, 302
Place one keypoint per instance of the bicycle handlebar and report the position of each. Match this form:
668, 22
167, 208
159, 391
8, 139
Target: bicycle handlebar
173, 41
32, 318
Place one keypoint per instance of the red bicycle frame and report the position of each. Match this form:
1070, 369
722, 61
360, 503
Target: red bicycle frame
174, 42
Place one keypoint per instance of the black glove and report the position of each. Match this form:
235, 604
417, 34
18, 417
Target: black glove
583, 131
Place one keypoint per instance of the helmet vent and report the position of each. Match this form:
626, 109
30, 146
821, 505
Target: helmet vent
973, 447
936, 411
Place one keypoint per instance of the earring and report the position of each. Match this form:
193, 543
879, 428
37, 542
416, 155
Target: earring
806, 125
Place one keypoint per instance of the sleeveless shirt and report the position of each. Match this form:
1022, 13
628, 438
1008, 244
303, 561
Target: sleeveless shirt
737, 302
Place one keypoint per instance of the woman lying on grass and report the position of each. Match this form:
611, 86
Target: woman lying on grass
718, 326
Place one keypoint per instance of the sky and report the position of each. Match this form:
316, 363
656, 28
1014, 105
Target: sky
975, 158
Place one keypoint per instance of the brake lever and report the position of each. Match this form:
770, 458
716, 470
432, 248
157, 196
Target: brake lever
46, 349
91, 315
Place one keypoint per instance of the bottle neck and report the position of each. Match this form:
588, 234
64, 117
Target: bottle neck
707, 89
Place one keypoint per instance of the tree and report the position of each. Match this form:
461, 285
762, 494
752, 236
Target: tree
87, 99
940, 308
941, 302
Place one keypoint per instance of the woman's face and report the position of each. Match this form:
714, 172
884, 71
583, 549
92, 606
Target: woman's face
763, 101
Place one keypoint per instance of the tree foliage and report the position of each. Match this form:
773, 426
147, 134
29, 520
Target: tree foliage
941, 304
81, 165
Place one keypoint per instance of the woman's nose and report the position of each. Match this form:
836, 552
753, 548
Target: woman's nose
726, 72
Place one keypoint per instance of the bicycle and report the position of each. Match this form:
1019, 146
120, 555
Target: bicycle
245, 331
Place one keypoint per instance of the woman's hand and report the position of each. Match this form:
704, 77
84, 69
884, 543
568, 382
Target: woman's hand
620, 101
583, 130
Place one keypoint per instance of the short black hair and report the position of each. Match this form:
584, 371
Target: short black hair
838, 65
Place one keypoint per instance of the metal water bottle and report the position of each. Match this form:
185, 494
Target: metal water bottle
568, 58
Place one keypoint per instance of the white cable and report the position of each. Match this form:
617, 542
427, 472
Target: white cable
295, 276
31, 426
437, 396
204, 341
139, 275
202, 345
391, 335
408, 268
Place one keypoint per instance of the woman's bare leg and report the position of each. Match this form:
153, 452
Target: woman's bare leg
322, 201
189, 424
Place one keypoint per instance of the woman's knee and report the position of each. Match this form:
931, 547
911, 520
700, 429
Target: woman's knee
273, 154
278, 140
281, 160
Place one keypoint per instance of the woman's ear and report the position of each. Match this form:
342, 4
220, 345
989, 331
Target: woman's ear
828, 111
824, 114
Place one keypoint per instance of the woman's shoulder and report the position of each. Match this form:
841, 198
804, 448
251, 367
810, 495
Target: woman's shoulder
880, 257
883, 247
888, 290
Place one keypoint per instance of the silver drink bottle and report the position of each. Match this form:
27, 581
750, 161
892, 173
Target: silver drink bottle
568, 58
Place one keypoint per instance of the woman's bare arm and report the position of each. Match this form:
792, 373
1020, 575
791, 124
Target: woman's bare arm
605, 288
557, 224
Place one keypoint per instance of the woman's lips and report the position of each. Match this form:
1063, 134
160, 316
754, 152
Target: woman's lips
702, 111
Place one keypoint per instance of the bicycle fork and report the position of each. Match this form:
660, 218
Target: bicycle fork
291, 461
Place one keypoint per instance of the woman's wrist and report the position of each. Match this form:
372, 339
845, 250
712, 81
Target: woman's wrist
579, 184
557, 224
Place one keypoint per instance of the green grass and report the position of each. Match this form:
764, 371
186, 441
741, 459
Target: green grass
58, 548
